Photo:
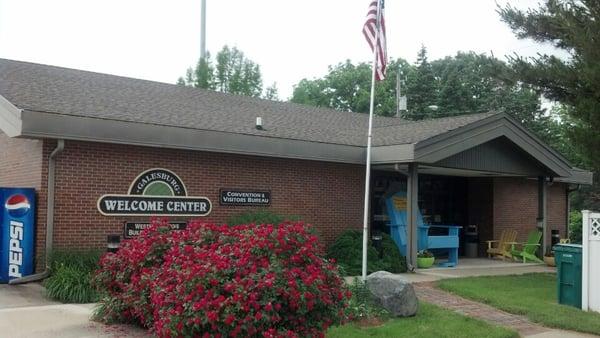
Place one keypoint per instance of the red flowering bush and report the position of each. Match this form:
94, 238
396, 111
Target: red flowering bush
125, 278
211, 280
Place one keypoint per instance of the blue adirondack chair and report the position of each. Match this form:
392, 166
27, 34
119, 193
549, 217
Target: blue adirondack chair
396, 209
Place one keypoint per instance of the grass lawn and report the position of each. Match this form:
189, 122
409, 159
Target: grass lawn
430, 321
531, 295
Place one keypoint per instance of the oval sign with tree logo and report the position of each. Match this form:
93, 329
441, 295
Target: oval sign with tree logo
157, 182
155, 192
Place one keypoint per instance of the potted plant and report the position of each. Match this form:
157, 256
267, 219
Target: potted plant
549, 257
425, 259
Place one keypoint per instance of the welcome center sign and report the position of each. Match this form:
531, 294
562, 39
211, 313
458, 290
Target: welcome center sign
155, 192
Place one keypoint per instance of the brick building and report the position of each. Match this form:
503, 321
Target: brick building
84, 140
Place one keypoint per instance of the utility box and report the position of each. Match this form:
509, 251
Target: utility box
471, 241
17, 233
568, 272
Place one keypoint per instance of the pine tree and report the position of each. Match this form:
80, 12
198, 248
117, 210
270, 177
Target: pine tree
423, 91
233, 73
204, 73
572, 26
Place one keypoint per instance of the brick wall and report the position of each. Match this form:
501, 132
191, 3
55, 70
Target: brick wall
22, 165
557, 208
516, 203
20, 162
327, 195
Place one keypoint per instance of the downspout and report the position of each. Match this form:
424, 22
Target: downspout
545, 215
542, 211
400, 170
49, 218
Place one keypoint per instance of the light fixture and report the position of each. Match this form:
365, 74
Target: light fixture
112, 243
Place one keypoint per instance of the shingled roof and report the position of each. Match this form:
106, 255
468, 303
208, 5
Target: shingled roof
57, 90
40, 101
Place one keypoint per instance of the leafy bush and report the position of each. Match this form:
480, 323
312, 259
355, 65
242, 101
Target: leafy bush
347, 251
575, 223
391, 261
260, 217
71, 275
362, 305
125, 278
244, 280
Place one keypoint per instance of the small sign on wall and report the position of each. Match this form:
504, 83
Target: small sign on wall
244, 197
133, 229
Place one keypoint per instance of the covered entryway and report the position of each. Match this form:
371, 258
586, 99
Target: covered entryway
492, 173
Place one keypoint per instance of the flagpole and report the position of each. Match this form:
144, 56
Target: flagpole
368, 162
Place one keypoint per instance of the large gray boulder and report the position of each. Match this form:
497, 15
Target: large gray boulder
394, 293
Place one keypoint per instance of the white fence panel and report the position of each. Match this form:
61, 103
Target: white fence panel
590, 292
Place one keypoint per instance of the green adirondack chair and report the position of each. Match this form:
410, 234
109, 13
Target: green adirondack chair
527, 250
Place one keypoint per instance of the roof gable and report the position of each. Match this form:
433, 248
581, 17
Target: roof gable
445, 145
499, 155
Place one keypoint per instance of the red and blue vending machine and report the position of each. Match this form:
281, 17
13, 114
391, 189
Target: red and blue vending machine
17, 232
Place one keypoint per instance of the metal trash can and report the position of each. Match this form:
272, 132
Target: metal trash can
568, 273
555, 237
471, 241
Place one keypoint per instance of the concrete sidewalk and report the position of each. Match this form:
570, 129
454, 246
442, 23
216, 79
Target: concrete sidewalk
26, 312
561, 334
64, 320
492, 268
472, 267
32, 294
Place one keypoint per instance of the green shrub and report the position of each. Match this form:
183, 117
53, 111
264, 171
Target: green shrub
70, 278
575, 222
260, 217
347, 251
81, 259
392, 260
70, 285
362, 305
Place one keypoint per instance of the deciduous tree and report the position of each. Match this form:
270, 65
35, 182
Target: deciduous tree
347, 87
467, 83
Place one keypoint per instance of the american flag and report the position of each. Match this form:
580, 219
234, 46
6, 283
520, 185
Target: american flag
374, 32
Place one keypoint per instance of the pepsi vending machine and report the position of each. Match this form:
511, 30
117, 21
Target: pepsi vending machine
17, 232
